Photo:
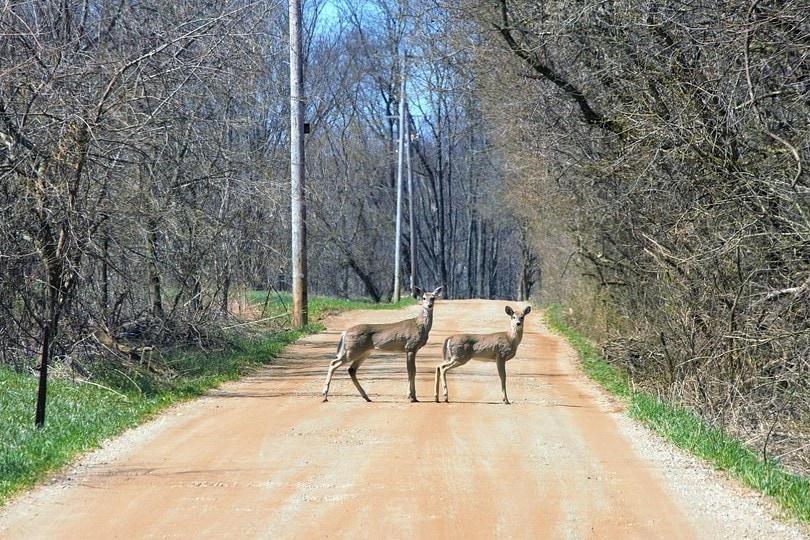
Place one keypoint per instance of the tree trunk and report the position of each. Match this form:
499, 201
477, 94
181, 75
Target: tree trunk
155, 287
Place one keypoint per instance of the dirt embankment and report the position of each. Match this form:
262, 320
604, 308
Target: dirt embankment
264, 458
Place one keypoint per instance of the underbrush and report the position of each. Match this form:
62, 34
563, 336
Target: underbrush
107, 399
687, 431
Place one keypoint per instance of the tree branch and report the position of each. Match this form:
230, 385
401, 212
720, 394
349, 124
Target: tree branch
590, 115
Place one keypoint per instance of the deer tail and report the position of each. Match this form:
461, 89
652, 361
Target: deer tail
341, 345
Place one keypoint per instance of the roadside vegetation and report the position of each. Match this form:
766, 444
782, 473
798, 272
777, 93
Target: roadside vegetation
689, 432
84, 410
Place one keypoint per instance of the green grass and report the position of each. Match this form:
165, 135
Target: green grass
78, 416
684, 429
81, 415
318, 306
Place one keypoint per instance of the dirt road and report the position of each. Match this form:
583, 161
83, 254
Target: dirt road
264, 458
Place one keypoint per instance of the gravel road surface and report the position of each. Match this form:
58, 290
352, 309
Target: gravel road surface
265, 458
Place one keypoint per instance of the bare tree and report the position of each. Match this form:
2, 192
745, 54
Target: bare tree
122, 141
669, 142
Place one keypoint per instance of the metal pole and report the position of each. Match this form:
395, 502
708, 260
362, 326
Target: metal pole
397, 240
298, 210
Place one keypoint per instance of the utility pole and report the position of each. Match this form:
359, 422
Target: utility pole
298, 219
398, 239
410, 199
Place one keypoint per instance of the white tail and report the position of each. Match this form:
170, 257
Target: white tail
406, 336
499, 347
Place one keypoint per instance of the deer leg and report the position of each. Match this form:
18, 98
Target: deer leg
502, 374
442, 370
445, 360
342, 356
410, 360
333, 365
436, 382
353, 374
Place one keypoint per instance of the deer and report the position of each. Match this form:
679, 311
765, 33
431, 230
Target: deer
407, 336
499, 347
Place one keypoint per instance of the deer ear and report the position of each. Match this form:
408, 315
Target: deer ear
417, 292
509, 311
438, 290
527, 310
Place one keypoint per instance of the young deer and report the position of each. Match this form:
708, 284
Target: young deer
406, 336
499, 347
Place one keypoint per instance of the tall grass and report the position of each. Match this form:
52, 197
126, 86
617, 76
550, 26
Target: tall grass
83, 413
686, 430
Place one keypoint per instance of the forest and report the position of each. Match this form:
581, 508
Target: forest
640, 162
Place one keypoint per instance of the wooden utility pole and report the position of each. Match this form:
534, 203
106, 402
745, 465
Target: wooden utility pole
412, 233
298, 216
401, 165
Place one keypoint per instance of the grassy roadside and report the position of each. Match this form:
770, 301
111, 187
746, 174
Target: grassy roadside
83, 413
791, 492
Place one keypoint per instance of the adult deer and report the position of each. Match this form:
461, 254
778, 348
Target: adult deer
406, 336
499, 347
